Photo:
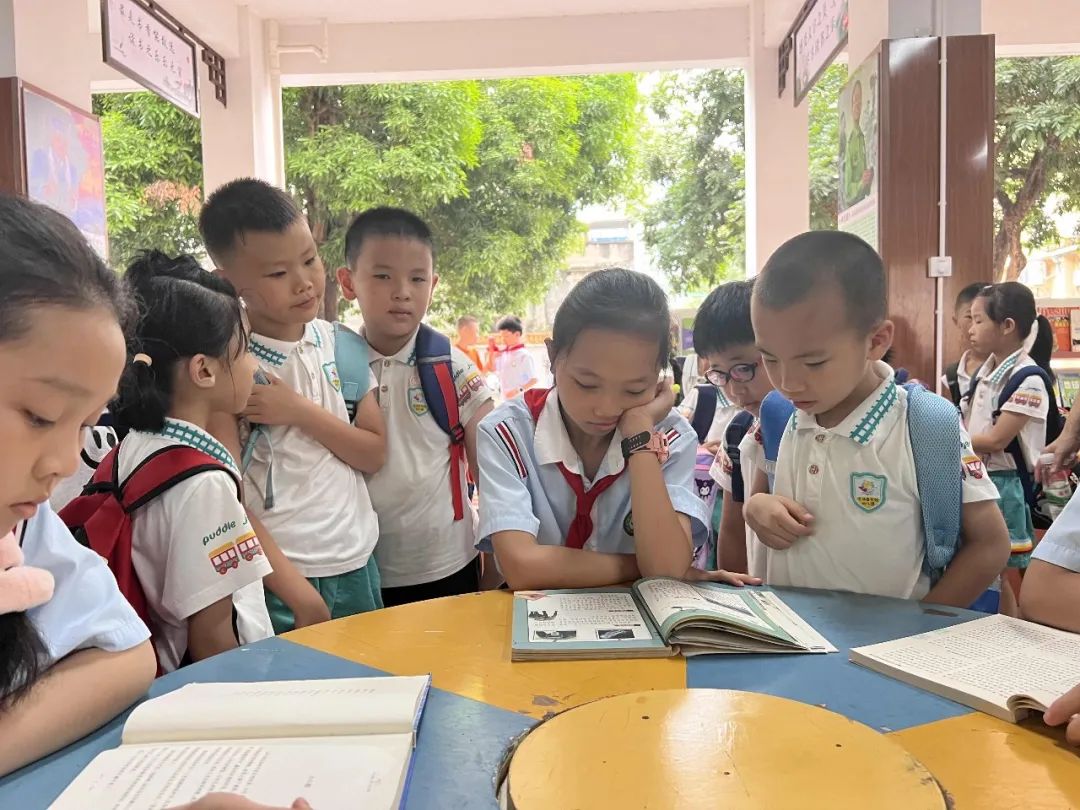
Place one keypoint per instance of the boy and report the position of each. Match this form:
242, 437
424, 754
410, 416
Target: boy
514, 365
846, 512
318, 509
468, 335
1051, 592
423, 551
724, 338
958, 375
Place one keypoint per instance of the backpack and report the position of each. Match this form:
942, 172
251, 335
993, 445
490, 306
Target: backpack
100, 518
707, 400
733, 435
433, 362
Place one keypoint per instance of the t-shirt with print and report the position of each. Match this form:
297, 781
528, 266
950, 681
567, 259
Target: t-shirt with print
1061, 545
858, 481
515, 367
1031, 400
419, 540
751, 461
193, 545
321, 515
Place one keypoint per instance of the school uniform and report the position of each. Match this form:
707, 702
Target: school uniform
193, 546
532, 480
751, 460
963, 378
515, 367
1061, 544
858, 481
321, 516
87, 609
1032, 400
420, 543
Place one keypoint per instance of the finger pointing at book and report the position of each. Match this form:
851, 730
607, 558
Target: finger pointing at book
1066, 709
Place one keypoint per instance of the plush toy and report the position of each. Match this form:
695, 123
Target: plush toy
21, 586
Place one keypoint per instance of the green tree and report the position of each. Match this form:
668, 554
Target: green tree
1037, 130
824, 135
153, 175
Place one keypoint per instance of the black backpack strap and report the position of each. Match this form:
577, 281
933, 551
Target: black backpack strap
704, 412
952, 377
736, 431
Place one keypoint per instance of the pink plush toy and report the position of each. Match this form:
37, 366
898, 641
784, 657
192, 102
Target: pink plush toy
21, 586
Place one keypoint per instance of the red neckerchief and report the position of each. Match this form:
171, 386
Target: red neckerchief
581, 528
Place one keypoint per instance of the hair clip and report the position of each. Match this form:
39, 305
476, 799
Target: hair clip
142, 358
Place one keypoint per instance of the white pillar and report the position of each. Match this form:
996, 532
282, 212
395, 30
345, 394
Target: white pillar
777, 153
244, 138
870, 21
48, 47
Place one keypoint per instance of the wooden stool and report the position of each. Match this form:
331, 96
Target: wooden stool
710, 748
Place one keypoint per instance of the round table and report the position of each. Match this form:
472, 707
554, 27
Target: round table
981, 762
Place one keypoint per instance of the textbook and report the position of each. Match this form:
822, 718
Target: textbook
654, 618
341, 743
999, 665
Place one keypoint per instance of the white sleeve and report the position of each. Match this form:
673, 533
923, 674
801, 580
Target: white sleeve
505, 500
1061, 545
678, 473
471, 390
977, 485
1029, 400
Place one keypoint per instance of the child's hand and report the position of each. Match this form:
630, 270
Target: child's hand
778, 521
646, 417
275, 404
1066, 709
729, 577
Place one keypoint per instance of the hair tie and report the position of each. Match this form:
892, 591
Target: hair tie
145, 359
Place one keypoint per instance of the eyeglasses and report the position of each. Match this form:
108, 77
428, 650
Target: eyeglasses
740, 372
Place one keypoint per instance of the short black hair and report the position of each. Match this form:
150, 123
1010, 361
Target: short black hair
969, 293
511, 323
723, 320
384, 221
814, 259
242, 206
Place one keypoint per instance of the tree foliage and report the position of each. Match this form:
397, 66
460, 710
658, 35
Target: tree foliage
824, 136
153, 175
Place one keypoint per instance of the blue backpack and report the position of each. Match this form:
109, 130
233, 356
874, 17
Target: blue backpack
433, 361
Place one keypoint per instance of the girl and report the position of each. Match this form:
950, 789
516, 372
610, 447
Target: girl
194, 551
589, 483
1003, 318
70, 664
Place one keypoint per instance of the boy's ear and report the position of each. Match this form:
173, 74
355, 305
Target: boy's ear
881, 339
345, 281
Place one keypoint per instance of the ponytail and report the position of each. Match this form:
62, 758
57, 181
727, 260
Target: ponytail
183, 311
1043, 348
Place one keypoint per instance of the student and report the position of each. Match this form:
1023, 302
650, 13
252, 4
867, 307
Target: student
190, 360
1003, 316
72, 663
320, 513
1051, 592
513, 363
468, 336
724, 337
958, 375
425, 550
588, 483
846, 513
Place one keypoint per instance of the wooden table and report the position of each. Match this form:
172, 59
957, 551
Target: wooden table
482, 701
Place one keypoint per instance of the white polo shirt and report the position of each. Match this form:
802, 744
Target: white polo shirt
322, 516
1061, 545
751, 459
419, 540
87, 609
858, 481
515, 367
1031, 400
522, 489
193, 545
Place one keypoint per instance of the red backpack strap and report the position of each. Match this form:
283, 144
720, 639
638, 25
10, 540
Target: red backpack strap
434, 365
164, 469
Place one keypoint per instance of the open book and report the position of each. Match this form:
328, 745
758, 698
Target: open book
999, 665
655, 618
342, 743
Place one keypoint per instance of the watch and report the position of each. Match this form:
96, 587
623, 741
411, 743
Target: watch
646, 442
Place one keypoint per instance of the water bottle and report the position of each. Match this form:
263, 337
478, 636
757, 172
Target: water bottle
1056, 487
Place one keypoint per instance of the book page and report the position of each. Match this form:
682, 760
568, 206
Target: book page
594, 617
366, 772
791, 622
666, 598
991, 659
232, 711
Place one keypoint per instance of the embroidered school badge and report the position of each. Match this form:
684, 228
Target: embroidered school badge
628, 524
417, 403
331, 372
868, 491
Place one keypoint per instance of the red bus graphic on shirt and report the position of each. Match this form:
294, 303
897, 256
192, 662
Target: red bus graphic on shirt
248, 547
225, 557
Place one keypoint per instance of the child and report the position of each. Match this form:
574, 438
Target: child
321, 514
589, 483
513, 363
958, 376
69, 664
425, 550
724, 337
1051, 592
191, 360
1009, 435
846, 513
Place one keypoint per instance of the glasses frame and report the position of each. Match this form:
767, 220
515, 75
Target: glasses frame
721, 378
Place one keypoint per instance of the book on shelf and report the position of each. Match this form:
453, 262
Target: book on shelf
999, 665
654, 618
338, 743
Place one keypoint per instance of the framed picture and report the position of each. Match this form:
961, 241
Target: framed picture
144, 47
819, 37
63, 162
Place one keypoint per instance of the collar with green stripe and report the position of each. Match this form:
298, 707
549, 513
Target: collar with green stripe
193, 436
1007, 365
275, 352
863, 423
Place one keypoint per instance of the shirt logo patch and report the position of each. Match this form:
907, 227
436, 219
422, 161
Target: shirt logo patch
1027, 399
331, 372
417, 403
868, 491
628, 524
248, 547
973, 466
225, 557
